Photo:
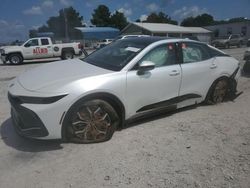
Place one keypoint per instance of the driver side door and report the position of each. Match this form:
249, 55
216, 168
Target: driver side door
155, 88
31, 49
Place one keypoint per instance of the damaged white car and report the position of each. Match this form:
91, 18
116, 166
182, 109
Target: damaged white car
87, 100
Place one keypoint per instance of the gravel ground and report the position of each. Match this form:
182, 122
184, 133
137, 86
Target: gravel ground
203, 146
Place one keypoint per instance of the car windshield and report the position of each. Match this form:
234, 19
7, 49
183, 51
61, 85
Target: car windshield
116, 55
223, 37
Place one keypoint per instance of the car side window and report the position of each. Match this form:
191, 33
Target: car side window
33, 42
162, 55
193, 52
45, 41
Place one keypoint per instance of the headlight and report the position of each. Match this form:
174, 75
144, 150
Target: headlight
34, 100
2, 51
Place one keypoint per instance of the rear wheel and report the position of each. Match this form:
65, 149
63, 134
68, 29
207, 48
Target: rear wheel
67, 55
15, 59
90, 122
218, 91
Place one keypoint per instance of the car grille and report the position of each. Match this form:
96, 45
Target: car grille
26, 122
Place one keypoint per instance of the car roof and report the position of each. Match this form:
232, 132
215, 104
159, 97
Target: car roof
152, 39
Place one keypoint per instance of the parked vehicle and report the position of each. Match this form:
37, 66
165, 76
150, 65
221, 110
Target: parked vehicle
40, 48
107, 41
247, 55
103, 43
246, 67
227, 41
248, 43
130, 36
86, 100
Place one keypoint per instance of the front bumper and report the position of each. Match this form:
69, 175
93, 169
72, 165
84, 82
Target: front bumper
3, 57
26, 122
35, 120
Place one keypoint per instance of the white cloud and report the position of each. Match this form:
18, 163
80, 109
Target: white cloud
48, 4
35, 10
152, 7
35, 27
143, 17
10, 31
88, 4
66, 2
189, 11
126, 12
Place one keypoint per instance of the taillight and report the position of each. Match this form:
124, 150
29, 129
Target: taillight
80, 46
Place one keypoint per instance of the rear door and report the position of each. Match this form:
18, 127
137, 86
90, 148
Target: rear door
156, 87
46, 50
199, 70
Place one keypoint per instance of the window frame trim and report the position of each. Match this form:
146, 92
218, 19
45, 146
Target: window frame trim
196, 43
135, 68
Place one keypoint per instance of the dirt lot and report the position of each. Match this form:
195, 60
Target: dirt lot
204, 146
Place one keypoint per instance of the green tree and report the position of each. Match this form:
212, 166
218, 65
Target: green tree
63, 26
160, 18
188, 22
118, 20
101, 16
198, 21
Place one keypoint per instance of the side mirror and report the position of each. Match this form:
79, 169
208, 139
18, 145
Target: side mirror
145, 66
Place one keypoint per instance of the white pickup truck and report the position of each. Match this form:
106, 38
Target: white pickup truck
40, 48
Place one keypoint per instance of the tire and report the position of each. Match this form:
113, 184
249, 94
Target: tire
15, 59
90, 121
67, 55
218, 92
227, 45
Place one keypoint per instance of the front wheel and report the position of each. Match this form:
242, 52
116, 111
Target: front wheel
90, 122
15, 59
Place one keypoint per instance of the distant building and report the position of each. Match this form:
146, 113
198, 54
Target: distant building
92, 36
242, 28
169, 30
98, 33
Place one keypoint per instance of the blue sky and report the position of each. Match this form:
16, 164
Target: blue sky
18, 16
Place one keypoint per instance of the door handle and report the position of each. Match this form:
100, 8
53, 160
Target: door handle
213, 66
48, 46
174, 73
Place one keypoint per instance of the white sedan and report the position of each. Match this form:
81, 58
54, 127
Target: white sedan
87, 100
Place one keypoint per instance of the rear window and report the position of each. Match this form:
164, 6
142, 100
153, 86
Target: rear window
45, 41
194, 52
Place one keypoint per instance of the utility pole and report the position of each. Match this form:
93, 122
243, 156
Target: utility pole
66, 26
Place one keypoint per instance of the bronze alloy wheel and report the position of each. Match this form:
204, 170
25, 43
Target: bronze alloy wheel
93, 121
220, 91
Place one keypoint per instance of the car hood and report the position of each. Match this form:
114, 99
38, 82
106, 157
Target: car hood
11, 48
61, 72
219, 40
